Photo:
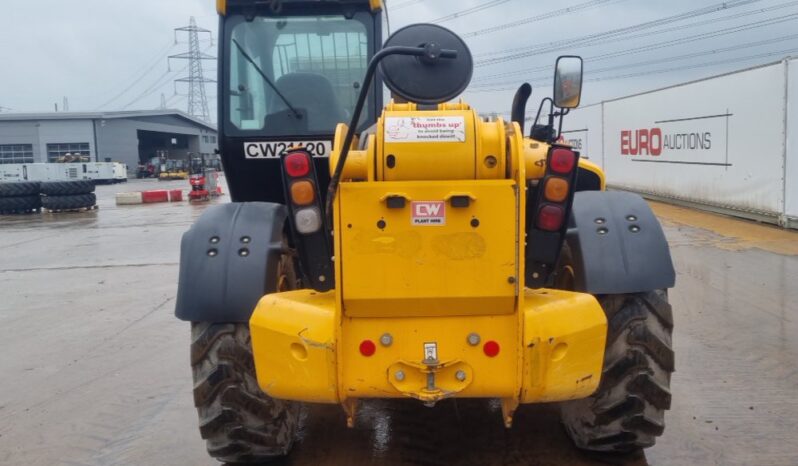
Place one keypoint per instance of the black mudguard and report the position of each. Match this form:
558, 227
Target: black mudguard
228, 261
617, 245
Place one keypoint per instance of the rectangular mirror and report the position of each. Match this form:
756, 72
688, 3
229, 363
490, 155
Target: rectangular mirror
568, 81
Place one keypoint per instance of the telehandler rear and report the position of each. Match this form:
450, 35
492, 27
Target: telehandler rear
417, 251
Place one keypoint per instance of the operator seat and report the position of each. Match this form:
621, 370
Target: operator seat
312, 95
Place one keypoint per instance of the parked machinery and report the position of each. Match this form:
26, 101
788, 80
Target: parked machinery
204, 180
433, 255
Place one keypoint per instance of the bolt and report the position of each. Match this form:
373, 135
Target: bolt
602, 231
474, 222
634, 228
399, 375
243, 252
600, 221
381, 224
460, 375
386, 339
473, 339
212, 252
511, 280
631, 218
490, 161
322, 278
246, 239
214, 239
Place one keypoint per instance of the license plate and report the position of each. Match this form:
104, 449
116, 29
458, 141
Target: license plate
275, 149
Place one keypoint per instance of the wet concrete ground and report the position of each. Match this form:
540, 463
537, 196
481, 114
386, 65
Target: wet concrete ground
94, 368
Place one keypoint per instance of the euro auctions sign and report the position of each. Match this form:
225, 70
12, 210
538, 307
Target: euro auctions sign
701, 140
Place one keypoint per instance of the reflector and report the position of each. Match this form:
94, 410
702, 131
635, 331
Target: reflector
491, 348
367, 348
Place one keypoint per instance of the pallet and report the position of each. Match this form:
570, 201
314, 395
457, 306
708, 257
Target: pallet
61, 211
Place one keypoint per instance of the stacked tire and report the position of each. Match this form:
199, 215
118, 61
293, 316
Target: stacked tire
68, 195
20, 197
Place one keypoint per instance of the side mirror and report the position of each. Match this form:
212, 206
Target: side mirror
568, 81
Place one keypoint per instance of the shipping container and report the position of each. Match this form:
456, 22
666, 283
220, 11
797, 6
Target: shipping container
725, 143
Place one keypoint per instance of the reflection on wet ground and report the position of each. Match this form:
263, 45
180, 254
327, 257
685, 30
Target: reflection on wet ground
455, 432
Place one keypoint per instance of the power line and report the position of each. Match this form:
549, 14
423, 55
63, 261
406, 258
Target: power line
591, 39
157, 85
161, 55
541, 17
635, 50
782, 52
468, 11
671, 59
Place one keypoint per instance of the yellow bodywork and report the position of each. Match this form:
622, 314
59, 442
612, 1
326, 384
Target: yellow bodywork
429, 237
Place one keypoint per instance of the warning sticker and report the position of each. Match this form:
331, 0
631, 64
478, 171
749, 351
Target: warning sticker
428, 213
422, 129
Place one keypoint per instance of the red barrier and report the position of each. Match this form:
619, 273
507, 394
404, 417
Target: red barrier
155, 196
176, 195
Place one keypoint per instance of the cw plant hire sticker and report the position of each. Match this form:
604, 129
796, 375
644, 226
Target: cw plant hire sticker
428, 213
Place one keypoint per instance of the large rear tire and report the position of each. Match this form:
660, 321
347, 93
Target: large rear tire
627, 411
239, 422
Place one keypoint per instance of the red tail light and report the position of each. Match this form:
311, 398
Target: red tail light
550, 217
562, 161
297, 164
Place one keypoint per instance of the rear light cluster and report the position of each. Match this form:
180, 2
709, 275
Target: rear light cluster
303, 193
556, 189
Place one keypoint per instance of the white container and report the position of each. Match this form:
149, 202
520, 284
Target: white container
726, 143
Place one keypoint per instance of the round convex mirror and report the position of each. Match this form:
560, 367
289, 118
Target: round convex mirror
423, 80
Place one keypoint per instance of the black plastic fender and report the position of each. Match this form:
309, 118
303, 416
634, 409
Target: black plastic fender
617, 245
228, 261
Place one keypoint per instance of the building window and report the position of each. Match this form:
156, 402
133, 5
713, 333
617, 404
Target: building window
213, 139
16, 153
205, 139
56, 152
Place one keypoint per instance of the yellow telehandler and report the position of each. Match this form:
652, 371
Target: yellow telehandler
412, 250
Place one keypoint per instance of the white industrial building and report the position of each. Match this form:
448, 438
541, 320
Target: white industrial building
727, 143
128, 137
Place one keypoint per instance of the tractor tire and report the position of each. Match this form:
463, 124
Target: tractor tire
627, 411
239, 422
20, 204
66, 188
19, 188
71, 202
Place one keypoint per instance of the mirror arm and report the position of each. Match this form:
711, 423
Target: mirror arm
563, 112
429, 52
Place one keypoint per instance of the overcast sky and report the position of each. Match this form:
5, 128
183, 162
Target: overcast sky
111, 54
